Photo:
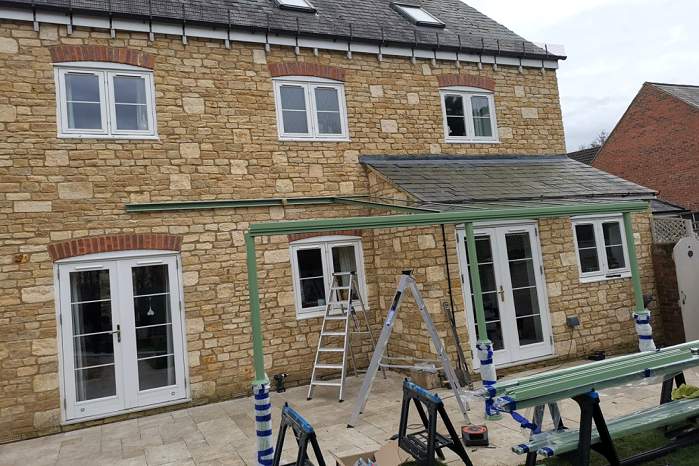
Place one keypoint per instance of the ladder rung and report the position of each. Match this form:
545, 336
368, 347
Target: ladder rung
332, 334
333, 317
359, 333
329, 366
327, 384
331, 350
338, 288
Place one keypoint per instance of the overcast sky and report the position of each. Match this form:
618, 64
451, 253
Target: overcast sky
613, 46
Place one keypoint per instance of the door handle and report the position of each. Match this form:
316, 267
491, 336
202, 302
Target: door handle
502, 293
118, 333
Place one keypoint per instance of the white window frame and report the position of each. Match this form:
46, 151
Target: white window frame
466, 93
405, 10
125, 401
604, 272
325, 244
106, 73
309, 84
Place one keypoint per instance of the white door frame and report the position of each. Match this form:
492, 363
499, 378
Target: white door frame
119, 264
518, 355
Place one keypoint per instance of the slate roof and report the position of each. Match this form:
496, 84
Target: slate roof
684, 92
585, 156
502, 178
363, 20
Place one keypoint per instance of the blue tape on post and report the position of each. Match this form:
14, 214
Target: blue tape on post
524, 447
266, 452
645, 337
511, 403
263, 407
265, 418
486, 361
264, 433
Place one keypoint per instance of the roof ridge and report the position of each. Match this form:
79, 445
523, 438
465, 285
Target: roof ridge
461, 158
671, 84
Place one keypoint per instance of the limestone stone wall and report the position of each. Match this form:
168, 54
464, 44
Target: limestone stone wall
217, 140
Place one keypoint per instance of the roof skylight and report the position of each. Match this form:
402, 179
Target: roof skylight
296, 5
417, 15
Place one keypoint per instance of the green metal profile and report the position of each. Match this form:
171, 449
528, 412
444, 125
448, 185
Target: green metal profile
475, 283
412, 220
633, 264
365, 201
227, 204
255, 321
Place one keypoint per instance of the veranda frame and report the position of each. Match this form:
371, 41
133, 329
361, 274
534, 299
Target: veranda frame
466, 217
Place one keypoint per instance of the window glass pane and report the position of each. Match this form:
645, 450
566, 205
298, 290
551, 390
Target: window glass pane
481, 116
89, 286
129, 90
526, 301
529, 330
154, 341
84, 115
454, 105
83, 101
293, 97
457, 126
329, 123
344, 260
494, 331
310, 263
615, 257
131, 117
419, 15
150, 280
93, 350
93, 317
156, 372
522, 273
294, 121
518, 246
612, 233
312, 287
585, 235
82, 87
96, 382
327, 99
588, 260
483, 250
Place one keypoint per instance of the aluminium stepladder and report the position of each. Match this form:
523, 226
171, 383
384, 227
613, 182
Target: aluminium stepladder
340, 322
407, 282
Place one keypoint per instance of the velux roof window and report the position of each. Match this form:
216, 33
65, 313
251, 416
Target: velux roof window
417, 15
296, 5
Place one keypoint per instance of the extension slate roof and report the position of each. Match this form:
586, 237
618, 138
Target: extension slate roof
500, 178
466, 29
585, 156
684, 92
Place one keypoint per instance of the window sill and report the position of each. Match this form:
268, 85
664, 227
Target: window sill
310, 314
139, 137
67, 422
471, 141
604, 278
309, 139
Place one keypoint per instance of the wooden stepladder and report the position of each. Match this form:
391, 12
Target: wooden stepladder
345, 316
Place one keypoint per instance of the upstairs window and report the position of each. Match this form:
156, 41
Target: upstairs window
469, 115
116, 103
601, 247
417, 15
297, 5
310, 109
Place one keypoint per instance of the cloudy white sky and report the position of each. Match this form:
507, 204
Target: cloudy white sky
613, 46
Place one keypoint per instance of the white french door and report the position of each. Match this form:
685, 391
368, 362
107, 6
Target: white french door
121, 334
513, 291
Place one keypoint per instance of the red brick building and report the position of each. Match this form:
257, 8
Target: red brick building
656, 143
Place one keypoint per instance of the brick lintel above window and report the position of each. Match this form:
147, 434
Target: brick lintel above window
101, 53
110, 243
466, 80
306, 69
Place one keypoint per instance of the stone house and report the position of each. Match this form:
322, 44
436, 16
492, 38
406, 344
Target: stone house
139, 145
655, 143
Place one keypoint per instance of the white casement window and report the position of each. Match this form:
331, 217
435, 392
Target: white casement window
313, 262
310, 109
469, 115
122, 342
601, 248
115, 101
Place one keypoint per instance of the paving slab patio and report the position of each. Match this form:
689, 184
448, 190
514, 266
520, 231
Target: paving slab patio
223, 434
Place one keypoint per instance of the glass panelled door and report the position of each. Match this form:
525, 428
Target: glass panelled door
509, 265
122, 335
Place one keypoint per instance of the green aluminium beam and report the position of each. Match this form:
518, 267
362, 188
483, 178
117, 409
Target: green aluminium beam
255, 320
402, 221
427, 219
633, 264
364, 201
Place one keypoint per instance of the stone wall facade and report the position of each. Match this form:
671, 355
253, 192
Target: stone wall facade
218, 140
